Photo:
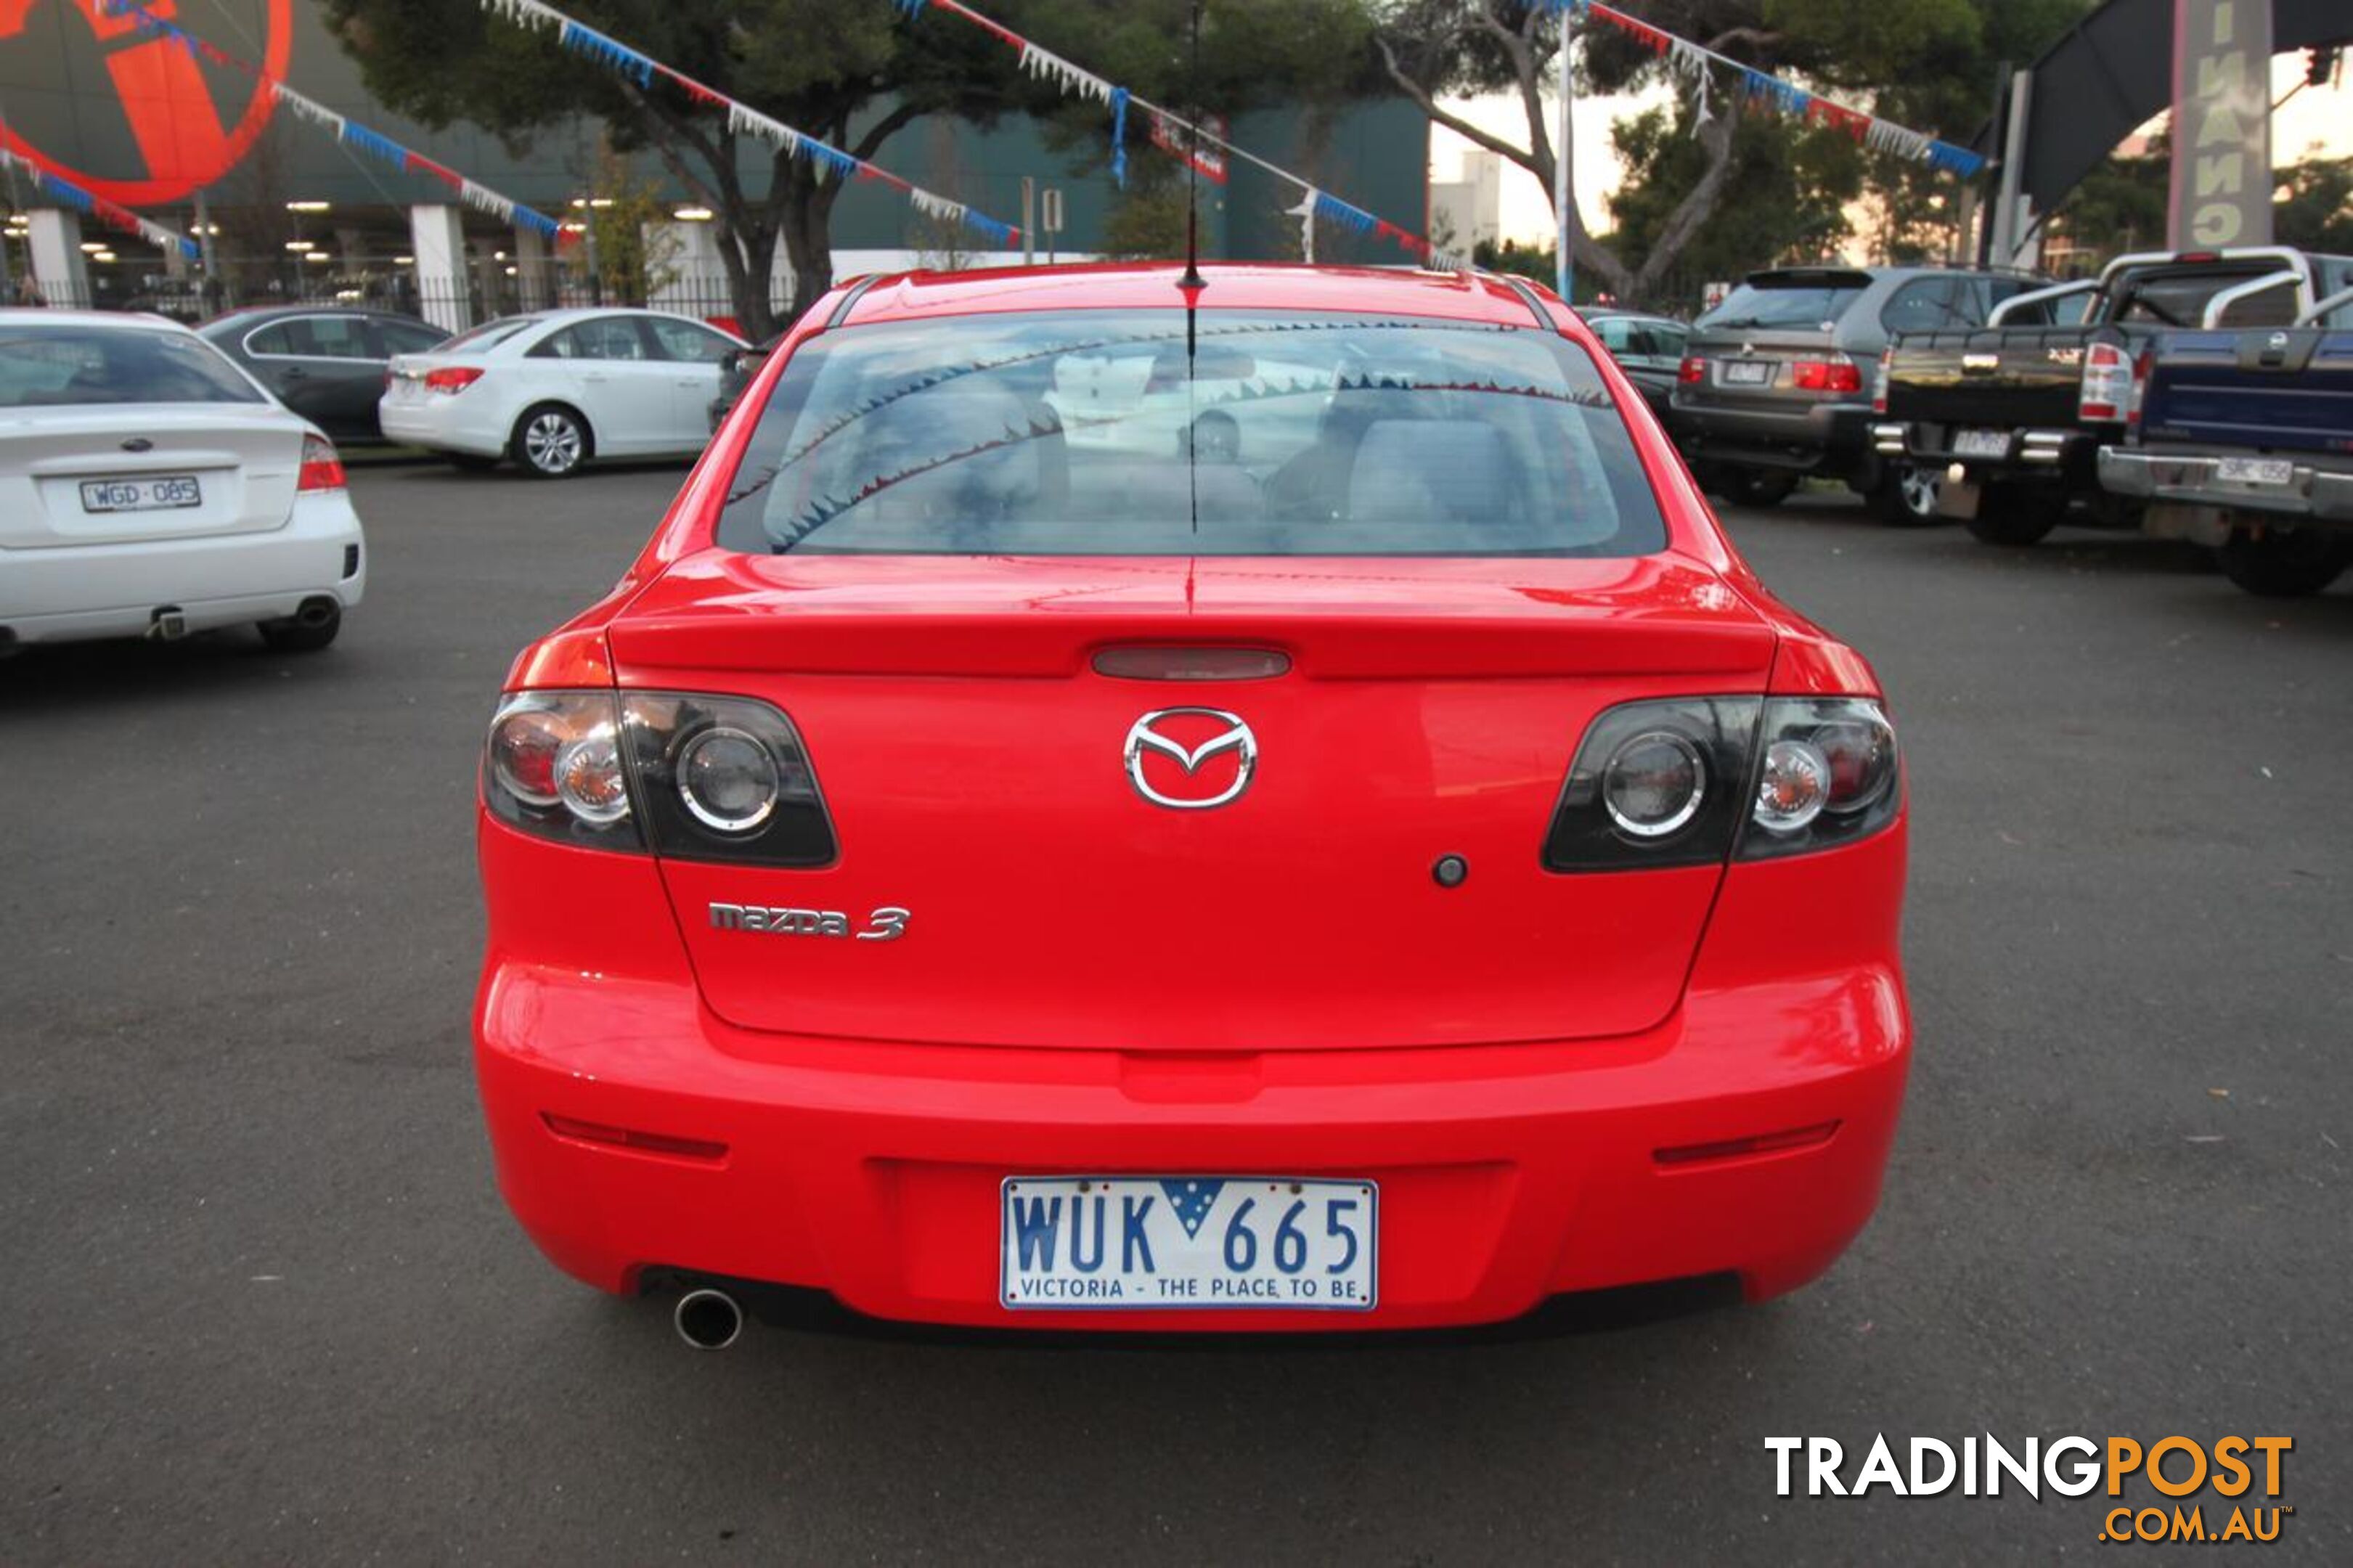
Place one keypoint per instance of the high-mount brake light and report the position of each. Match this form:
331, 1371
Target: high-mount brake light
452, 379
1692, 781
2106, 387
322, 466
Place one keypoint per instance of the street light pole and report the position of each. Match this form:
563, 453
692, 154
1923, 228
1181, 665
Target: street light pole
1564, 265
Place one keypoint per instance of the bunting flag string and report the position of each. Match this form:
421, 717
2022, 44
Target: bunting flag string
742, 120
1762, 88
115, 216
1176, 136
345, 129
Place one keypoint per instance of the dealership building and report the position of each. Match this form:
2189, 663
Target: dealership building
102, 114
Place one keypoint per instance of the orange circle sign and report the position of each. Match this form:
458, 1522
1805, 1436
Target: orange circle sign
179, 130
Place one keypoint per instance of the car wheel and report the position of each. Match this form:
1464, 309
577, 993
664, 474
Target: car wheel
1908, 495
470, 463
1753, 486
305, 633
2015, 515
2286, 562
550, 441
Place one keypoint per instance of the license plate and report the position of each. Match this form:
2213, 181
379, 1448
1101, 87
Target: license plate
1747, 372
1981, 443
1129, 1243
145, 494
2255, 470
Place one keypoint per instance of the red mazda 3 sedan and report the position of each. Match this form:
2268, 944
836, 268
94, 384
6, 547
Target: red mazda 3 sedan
1122, 800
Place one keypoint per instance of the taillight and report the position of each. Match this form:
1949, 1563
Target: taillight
1836, 374
2142, 364
322, 469
696, 777
452, 379
1827, 776
2106, 388
1655, 783
1879, 383
1693, 369
1689, 781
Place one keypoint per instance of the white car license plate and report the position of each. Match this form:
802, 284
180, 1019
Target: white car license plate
1981, 443
2255, 470
1187, 1242
146, 493
1747, 372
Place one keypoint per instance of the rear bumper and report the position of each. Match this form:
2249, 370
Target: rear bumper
2194, 479
2035, 456
1823, 437
1508, 1173
445, 424
78, 592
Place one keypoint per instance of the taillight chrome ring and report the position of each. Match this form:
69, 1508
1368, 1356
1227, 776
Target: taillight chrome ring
723, 756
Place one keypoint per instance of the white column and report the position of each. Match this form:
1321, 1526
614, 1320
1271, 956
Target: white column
534, 274
436, 237
58, 264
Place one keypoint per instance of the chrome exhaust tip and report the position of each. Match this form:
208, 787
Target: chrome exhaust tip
317, 612
708, 1320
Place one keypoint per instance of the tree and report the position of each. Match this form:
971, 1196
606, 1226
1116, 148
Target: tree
2317, 212
853, 72
2117, 207
1926, 64
1786, 198
821, 67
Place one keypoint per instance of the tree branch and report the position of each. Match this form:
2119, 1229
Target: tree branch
1427, 103
1694, 210
901, 115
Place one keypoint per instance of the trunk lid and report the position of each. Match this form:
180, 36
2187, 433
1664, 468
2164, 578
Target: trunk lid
1755, 368
2006, 377
973, 761
70, 476
2289, 389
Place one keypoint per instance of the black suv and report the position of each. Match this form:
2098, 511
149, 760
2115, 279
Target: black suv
1776, 382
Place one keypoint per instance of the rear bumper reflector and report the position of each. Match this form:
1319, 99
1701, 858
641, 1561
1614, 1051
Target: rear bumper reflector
1782, 1143
629, 1138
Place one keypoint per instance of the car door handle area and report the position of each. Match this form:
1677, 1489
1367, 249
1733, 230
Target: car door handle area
293, 372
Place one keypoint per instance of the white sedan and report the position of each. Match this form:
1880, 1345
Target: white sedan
558, 388
148, 487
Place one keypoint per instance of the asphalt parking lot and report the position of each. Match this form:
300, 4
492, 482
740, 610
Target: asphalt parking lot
267, 1307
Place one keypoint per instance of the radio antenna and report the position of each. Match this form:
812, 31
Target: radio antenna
1192, 278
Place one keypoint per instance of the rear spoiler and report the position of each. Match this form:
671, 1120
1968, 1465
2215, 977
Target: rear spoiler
1801, 277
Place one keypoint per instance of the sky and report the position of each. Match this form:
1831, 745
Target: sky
2322, 116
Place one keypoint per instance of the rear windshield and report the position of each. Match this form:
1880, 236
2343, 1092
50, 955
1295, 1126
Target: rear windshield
1105, 433
1779, 303
489, 334
57, 366
2179, 299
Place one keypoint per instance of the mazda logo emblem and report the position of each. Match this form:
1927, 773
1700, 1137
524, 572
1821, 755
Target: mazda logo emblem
1184, 765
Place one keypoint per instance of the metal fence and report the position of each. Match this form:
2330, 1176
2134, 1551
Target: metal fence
488, 289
